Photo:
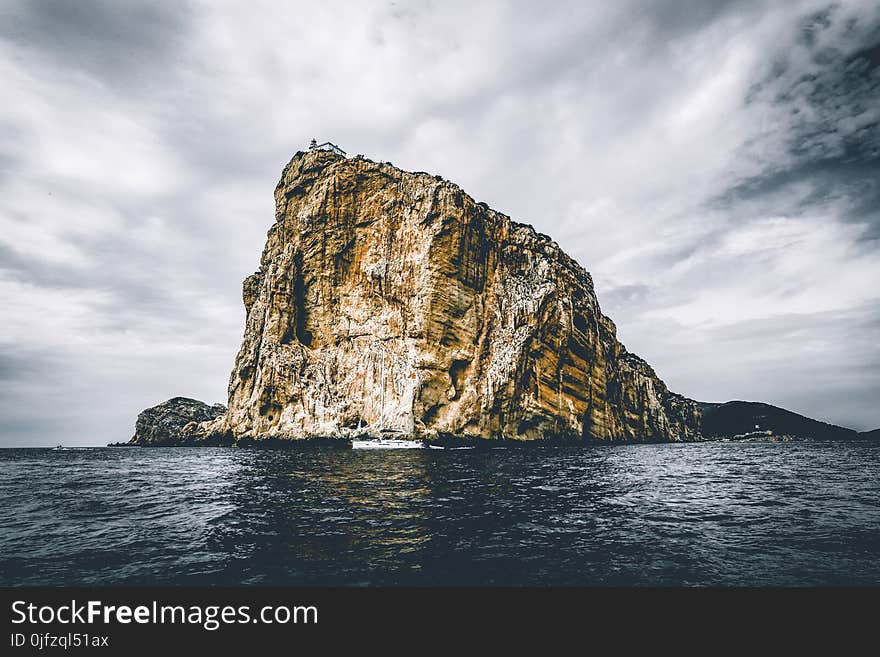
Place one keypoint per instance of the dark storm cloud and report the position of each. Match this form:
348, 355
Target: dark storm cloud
117, 42
824, 92
19, 364
672, 19
26, 268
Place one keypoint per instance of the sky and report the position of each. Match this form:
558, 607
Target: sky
714, 165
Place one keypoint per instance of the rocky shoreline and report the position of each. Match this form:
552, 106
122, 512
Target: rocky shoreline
170, 424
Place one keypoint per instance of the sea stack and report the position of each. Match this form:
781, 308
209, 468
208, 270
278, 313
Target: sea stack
392, 303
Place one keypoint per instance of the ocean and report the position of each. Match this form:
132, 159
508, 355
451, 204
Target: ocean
708, 514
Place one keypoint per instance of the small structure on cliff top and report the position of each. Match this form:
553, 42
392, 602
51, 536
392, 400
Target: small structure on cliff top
326, 146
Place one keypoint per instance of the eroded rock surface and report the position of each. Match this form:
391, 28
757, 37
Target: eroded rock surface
390, 302
163, 424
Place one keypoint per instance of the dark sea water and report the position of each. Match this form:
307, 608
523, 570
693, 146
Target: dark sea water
704, 514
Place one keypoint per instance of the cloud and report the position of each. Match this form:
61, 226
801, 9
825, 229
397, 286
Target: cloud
119, 45
713, 164
821, 103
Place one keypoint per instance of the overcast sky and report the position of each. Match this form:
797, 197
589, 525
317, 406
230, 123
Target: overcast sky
713, 165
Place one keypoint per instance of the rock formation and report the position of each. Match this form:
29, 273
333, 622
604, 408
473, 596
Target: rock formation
390, 302
163, 424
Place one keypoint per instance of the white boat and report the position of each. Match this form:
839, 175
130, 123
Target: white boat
387, 443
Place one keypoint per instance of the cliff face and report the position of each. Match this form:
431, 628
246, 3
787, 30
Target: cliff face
392, 302
163, 424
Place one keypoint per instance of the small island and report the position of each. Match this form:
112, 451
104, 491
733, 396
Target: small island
392, 305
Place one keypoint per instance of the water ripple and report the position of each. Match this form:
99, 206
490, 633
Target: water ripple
708, 514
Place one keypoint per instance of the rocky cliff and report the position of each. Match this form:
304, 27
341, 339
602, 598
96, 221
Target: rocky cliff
390, 302
164, 423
